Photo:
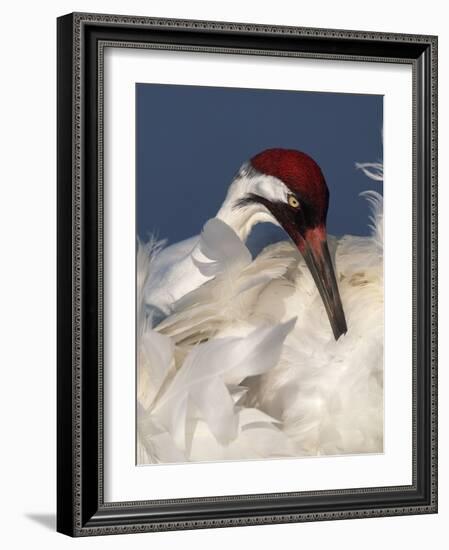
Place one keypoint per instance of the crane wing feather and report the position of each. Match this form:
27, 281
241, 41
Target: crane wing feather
206, 374
221, 249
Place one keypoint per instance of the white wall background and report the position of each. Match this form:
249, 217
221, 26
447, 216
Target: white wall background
27, 289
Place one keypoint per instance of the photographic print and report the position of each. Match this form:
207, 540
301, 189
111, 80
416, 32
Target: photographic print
259, 261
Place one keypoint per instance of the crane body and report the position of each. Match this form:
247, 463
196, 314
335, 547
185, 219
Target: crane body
277, 355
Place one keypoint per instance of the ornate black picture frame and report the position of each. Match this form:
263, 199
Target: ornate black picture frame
81, 510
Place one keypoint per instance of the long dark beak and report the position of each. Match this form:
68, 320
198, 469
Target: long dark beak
318, 260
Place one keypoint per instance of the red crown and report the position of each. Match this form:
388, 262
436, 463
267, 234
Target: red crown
297, 171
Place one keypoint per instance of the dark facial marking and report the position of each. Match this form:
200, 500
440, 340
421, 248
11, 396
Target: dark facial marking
293, 219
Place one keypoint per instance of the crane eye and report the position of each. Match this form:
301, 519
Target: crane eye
293, 201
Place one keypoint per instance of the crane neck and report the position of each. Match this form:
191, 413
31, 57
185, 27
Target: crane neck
243, 218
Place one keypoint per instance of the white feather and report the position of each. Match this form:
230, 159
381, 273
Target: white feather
376, 218
203, 378
226, 298
261, 387
154, 350
259, 436
154, 443
374, 170
175, 270
155, 364
222, 250
329, 394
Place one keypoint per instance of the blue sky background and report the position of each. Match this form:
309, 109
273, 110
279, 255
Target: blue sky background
191, 140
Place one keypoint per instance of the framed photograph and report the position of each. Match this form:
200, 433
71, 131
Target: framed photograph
247, 279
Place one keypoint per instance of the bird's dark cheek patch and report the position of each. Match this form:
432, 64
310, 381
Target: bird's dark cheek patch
249, 199
293, 220
300, 222
290, 219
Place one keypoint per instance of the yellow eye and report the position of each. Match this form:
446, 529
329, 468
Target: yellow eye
293, 201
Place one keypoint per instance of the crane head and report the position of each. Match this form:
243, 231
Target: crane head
291, 186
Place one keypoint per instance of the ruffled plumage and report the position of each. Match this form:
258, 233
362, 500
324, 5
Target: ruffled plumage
246, 366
